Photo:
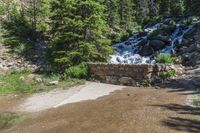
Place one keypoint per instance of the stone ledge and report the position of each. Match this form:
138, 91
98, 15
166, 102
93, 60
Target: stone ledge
126, 74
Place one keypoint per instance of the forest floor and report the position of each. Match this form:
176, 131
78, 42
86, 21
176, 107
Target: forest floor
127, 110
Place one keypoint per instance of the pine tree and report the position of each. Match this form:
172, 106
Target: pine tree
142, 9
80, 32
193, 7
177, 8
127, 13
112, 12
164, 8
188, 7
153, 9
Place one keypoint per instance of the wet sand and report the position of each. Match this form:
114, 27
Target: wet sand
131, 110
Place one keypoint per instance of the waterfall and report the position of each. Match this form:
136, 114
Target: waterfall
128, 52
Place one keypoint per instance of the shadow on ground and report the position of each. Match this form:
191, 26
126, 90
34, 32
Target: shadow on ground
191, 124
187, 118
181, 124
187, 86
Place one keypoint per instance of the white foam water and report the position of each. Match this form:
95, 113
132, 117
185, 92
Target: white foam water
128, 52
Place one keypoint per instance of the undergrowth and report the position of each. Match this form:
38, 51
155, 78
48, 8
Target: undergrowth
8, 119
165, 58
19, 82
196, 101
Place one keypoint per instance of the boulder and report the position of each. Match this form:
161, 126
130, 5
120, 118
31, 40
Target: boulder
127, 81
165, 39
169, 21
142, 33
164, 26
146, 51
54, 82
185, 42
143, 42
38, 80
157, 44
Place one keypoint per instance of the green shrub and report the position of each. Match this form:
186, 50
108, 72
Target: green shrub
12, 82
167, 75
17, 45
157, 19
116, 38
172, 23
80, 71
196, 101
165, 58
124, 36
146, 83
188, 21
15, 81
8, 119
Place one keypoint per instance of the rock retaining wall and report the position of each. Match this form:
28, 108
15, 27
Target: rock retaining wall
127, 74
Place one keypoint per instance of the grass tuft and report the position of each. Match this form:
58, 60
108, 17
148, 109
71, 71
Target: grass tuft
196, 101
20, 82
165, 58
8, 119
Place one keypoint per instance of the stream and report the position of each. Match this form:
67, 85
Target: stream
141, 48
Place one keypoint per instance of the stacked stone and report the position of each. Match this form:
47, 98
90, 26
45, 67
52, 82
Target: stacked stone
127, 74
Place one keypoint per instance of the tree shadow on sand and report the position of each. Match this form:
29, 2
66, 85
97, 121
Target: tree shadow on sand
182, 123
187, 86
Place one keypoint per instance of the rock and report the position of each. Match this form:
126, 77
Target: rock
168, 21
196, 37
127, 81
30, 77
165, 39
183, 50
54, 82
9, 64
164, 26
186, 42
157, 44
142, 33
38, 80
192, 48
146, 51
112, 79
157, 87
143, 42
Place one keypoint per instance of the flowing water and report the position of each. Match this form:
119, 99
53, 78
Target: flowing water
128, 52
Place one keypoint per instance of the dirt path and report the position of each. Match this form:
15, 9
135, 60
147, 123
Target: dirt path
60, 97
131, 110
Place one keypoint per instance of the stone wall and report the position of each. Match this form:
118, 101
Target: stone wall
126, 74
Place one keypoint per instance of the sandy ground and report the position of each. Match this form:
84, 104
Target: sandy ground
59, 97
131, 110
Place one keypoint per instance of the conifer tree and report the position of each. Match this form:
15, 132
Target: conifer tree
80, 32
177, 8
127, 13
164, 8
112, 12
142, 9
